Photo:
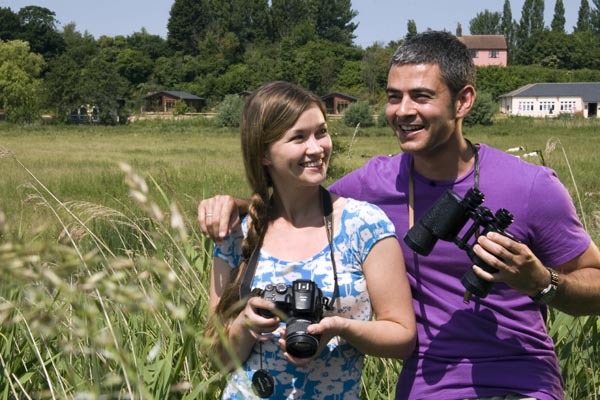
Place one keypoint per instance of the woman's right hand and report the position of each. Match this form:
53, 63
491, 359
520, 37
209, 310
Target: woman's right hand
217, 216
260, 328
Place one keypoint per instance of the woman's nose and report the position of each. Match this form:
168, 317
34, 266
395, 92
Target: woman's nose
313, 145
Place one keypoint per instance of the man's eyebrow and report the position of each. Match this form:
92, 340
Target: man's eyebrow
420, 89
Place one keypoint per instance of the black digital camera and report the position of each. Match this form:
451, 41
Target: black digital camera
445, 219
303, 304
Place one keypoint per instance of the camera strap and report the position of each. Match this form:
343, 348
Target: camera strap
411, 183
246, 285
328, 220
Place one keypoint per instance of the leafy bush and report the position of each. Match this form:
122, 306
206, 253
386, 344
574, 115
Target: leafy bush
181, 108
483, 110
229, 111
358, 113
381, 119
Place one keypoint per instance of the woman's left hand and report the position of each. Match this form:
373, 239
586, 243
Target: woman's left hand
327, 328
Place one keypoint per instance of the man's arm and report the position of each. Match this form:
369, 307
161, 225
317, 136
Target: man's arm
220, 214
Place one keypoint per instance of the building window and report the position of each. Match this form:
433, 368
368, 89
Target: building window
169, 104
342, 105
493, 53
525, 105
567, 106
474, 53
547, 106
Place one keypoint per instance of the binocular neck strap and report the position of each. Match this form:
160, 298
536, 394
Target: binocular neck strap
411, 182
246, 285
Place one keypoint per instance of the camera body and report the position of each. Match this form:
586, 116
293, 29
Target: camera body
446, 218
303, 303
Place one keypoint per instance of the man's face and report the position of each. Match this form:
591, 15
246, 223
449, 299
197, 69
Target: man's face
419, 108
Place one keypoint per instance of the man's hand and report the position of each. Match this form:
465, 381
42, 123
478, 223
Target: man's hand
517, 266
218, 215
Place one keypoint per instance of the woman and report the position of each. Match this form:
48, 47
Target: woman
286, 149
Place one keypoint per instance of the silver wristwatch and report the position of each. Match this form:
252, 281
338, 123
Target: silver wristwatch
548, 293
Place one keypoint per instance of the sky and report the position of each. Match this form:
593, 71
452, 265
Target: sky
378, 20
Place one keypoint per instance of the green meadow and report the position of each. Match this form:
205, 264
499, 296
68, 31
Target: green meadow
104, 273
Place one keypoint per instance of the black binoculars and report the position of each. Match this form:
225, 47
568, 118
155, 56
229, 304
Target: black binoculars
446, 218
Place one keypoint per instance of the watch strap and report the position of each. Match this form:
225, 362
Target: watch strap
546, 295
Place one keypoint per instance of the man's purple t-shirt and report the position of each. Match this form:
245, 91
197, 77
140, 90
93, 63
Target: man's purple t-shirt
492, 346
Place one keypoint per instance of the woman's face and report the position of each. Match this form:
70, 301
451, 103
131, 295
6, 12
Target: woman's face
301, 156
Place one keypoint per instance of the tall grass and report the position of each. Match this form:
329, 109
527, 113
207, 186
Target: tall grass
83, 320
104, 275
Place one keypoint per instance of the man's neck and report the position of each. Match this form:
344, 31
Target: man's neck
450, 163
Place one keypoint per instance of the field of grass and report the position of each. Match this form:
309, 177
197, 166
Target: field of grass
104, 273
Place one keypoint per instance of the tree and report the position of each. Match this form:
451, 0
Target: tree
595, 17
583, 17
374, 68
19, 81
411, 29
38, 27
61, 86
188, 23
101, 85
524, 26
558, 21
9, 24
152, 45
134, 65
79, 47
485, 23
316, 65
537, 17
507, 26
333, 21
286, 14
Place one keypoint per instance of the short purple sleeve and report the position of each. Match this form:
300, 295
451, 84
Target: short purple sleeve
559, 235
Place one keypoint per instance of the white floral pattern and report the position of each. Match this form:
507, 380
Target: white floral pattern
336, 372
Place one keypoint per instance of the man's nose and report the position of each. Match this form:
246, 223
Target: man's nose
406, 107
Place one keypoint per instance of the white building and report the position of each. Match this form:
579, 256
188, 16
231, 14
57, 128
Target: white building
553, 99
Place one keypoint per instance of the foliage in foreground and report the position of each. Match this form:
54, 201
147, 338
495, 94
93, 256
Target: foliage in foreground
82, 320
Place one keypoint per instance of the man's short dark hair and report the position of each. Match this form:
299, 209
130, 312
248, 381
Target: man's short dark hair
442, 49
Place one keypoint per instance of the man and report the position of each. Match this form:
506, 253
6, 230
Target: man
490, 346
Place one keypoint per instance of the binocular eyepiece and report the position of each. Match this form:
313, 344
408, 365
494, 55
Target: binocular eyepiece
446, 218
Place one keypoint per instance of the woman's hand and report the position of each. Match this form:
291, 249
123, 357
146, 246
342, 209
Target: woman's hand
327, 328
257, 325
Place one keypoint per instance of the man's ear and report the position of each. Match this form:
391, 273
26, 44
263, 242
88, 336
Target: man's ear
464, 101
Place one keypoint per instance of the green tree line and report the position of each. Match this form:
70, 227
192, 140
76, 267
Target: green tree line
215, 48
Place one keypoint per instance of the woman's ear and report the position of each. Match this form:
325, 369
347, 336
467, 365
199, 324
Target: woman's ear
464, 101
266, 161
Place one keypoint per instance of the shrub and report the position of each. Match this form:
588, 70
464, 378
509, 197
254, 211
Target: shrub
229, 111
181, 108
381, 118
483, 110
358, 113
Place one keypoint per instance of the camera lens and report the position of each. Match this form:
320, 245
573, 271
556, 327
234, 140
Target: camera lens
298, 342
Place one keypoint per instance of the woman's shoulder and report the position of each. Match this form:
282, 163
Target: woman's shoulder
361, 214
